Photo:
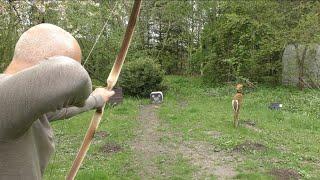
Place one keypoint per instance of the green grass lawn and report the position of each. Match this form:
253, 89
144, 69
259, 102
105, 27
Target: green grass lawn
290, 137
119, 124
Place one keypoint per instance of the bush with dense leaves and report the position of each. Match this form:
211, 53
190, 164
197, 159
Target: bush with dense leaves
140, 77
213, 73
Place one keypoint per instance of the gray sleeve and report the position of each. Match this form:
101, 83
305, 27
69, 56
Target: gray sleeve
53, 84
91, 103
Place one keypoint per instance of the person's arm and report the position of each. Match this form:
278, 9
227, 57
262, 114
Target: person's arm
94, 101
53, 84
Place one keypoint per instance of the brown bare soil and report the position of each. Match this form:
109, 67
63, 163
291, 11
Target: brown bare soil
147, 143
210, 162
285, 174
248, 146
251, 125
101, 134
200, 154
111, 148
214, 134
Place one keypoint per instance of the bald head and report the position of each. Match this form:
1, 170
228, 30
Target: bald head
40, 42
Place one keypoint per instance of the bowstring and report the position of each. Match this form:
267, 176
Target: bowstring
86, 60
95, 43
98, 37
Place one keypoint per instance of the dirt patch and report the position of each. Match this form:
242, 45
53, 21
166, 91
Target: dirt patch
283, 148
147, 142
101, 134
285, 174
149, 145
249, 124
214, 134
111, 148
183, 103
210, 162
249, 146
224, 172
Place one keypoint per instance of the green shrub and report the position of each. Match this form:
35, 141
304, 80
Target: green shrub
140, 77
215, 72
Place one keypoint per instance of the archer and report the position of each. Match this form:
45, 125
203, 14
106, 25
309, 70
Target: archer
44, 82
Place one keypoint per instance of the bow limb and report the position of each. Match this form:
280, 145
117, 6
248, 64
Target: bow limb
111, 81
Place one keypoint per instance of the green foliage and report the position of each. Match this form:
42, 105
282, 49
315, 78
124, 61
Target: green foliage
247, 39
239, 43
140, 77
8, 34
215, 72
221, 40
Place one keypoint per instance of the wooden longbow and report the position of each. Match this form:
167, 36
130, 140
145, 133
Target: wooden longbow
111, 81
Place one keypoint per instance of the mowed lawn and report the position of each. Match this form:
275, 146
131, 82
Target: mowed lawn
267, 141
